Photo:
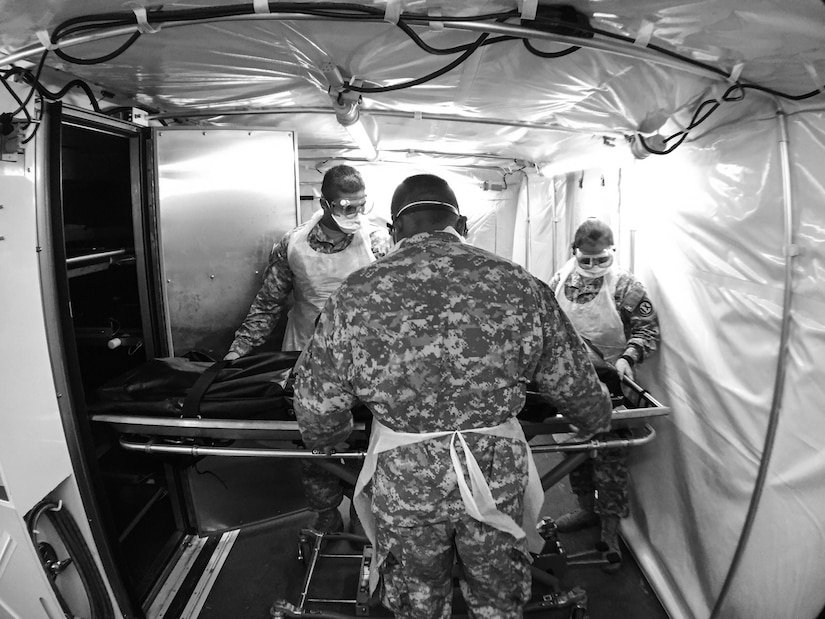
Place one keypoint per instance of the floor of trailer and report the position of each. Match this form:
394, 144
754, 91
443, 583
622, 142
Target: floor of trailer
263, 566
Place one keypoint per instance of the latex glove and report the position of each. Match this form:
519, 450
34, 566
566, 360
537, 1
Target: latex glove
231, 356
623, 368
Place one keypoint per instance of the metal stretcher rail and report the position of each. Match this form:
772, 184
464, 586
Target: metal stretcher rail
191, 436
151, 446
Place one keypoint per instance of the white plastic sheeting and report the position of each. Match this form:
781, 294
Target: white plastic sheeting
711, 226
570, 103
707, 221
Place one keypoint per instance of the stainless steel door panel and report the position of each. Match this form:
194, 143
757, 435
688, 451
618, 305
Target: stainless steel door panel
224, 197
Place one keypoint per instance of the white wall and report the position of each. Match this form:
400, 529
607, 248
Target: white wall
710, 248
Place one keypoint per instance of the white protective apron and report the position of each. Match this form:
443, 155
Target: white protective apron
478, 498
598, 320
316, 276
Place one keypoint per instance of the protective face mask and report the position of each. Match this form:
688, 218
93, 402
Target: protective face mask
592, 272
348, 225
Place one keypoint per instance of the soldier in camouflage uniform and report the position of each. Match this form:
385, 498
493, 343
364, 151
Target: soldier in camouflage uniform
439, 339
309, 262
613, 313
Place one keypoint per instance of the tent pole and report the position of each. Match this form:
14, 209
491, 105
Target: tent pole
791, 250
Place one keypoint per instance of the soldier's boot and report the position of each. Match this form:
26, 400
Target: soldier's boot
580, 518
329, 521
610, 544
355, 526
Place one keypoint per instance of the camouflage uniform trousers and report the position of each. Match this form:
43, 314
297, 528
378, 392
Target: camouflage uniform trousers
416, 565
607, 476
323, 489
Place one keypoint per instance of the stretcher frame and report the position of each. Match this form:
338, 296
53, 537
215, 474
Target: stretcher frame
173, 435
214, 437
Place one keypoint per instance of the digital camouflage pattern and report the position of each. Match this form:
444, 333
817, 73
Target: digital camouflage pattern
271, 300
440, 335
639, 317
417, 567
606, 475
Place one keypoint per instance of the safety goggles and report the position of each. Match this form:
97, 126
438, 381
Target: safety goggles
588, 261
348, 207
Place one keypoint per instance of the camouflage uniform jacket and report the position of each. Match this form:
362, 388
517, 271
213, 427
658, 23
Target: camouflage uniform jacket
273, 295
641, 323
441, 335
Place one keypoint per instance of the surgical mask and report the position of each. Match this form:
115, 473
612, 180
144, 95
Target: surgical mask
592, 272
347, 225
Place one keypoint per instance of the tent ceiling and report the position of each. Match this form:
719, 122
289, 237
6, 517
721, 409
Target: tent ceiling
500, 105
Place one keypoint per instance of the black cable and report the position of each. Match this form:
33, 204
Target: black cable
34, 78
22, 106
55, 96
659, 49
734, 93
421, 80
541, 54
88, 61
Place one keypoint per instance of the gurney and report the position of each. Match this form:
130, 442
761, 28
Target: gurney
224, 437
186, 434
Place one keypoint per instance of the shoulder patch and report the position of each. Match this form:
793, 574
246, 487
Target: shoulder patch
645, 308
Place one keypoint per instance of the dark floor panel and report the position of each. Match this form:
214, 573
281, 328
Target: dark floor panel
623, 595
264, 566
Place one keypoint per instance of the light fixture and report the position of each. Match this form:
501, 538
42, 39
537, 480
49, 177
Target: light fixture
347, 106
652, 144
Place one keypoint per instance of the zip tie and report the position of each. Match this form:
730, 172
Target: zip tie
435, 12
46, 40
393, 11
644, 34
528, 9
418, 115
736, 71
142, 21
811, 69
261, 6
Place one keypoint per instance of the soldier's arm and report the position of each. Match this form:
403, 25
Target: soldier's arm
565, 376
270, 301
639, 317
323, 396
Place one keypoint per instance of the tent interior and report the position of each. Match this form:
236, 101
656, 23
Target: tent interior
693, 128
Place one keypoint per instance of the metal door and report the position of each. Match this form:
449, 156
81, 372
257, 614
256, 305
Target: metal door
224, 197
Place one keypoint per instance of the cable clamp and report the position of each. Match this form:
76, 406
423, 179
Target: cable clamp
142, 20
811, 69
393, 11
736, 71
418, 115
435, 12
46, 40
261, 6
59, 506
528, 9
645, 33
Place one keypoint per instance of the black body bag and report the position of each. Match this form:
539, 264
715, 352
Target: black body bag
251, 387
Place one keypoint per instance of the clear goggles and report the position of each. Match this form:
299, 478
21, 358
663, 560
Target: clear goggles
348, 207
588, 261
